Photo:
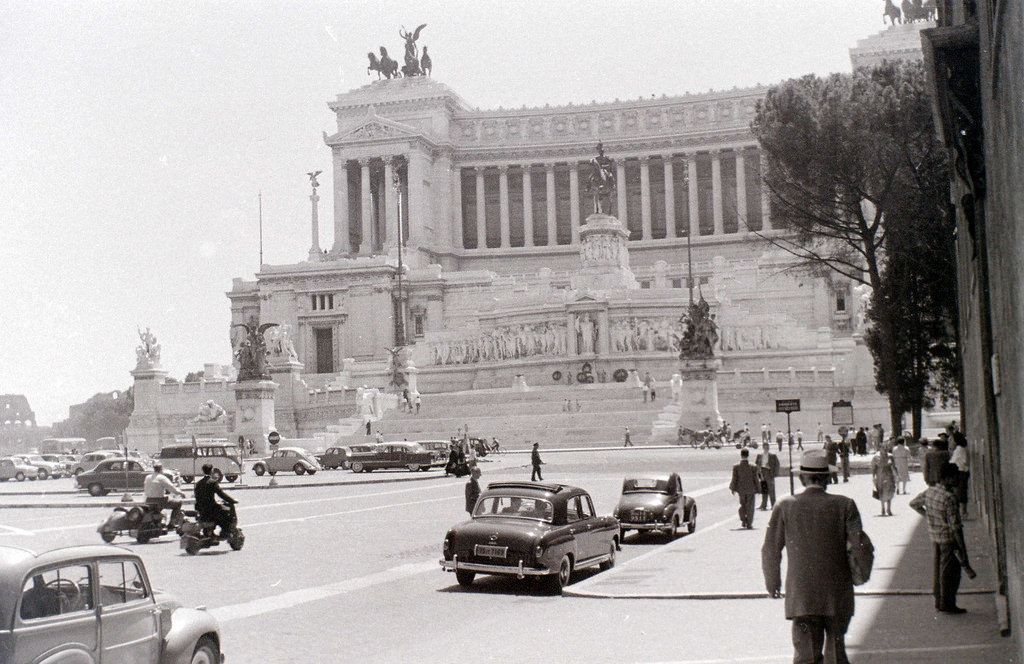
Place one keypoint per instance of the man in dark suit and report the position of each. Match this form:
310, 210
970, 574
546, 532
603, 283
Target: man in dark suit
744, 482
814, 528
935, 459
536, 463
207, 506
767, 470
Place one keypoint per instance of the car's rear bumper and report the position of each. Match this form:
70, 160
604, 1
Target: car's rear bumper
519, 570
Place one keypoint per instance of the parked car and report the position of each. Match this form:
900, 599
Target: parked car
655, 502
287, 459
47, 469
525, 529
118, 474
13, 468
62, 460
392, 455
89, 461
188, 459
438, 450
95, 604
340, 455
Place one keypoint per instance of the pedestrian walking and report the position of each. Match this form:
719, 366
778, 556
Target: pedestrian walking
814, 527
960, 459
767, 464
535, 461
821, 433
883, 478
472, 489
832, 454
628, 442
940, 508
368, 428
765, 438
645, 390
380, 437
417, 402
901, 461
844, 459
799, 439
744, 483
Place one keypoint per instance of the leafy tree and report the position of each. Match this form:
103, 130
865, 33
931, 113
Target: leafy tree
104, 414
856, 172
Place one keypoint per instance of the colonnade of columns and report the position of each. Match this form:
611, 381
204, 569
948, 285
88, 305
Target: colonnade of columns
576, 216
377, 215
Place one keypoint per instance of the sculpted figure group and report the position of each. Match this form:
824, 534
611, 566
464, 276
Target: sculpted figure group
909, 11
415, 65
502, 343
601, 248
148, 352
251, 350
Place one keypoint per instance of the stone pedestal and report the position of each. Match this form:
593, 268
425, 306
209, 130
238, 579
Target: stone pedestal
698, 406
604, 257
519, 384
254, 412
144, 429
291, 395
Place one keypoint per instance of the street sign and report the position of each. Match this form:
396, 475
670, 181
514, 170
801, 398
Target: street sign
273, 438
842, 413
787, 405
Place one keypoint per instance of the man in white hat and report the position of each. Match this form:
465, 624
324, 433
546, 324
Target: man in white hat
814, 527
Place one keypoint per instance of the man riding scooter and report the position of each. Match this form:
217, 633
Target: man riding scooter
207, 507
156, 488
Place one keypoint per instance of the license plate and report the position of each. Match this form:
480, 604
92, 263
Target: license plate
491, 551
639, 518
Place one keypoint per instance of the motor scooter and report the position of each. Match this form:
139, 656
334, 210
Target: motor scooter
142, 521
197, 535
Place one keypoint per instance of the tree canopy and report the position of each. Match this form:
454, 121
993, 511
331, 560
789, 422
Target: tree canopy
858, 175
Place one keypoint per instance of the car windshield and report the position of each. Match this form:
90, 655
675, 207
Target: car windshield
645, 485
515, 507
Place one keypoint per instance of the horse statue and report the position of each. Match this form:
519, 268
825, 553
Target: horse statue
385, 66
913, 11
892, 12
412, 60
426, 65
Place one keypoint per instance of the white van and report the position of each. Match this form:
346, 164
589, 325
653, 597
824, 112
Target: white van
188, 459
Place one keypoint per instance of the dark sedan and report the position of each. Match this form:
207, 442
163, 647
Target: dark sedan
525, 529
655, 502
120, 474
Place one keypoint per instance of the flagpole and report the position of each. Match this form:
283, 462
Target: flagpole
261, 228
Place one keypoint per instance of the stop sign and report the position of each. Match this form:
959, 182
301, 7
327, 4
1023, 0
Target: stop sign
273, 438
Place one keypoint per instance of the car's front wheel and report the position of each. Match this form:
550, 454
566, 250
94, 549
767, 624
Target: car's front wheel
205, 652
691, 525
560, 580
357, 467
299, 469
464, 577
610, 563
231, 478
673, 531
96, 489
259, 469
20, 476
43, 475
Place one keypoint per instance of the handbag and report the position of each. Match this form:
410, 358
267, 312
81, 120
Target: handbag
860, 553
874, 494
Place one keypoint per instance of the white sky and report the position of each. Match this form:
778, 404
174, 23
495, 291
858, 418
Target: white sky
134, 137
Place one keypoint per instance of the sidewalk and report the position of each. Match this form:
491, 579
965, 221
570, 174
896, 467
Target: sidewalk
894, 608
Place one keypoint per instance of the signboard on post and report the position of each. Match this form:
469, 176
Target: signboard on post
842, 413
273, 438
787, 405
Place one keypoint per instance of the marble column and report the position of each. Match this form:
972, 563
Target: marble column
549, 170
390, 205
341, 242
741, 192
527, 207
503, 205
458, 234
315, 254
366, 245
691, 179
620, 192
481, 210
716, 191
417, 166
645, 198
574, 201
670, 197
766, 220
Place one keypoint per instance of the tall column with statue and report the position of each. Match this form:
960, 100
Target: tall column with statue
145, 429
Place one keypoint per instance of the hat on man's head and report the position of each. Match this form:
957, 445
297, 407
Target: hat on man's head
815, 462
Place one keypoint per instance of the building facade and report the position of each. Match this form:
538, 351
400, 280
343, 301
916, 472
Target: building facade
975, 60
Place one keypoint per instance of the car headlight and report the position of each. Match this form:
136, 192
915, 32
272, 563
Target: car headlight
538, 551
447, 543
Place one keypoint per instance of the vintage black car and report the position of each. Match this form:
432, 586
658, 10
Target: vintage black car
531, 529
391, 455
655, 502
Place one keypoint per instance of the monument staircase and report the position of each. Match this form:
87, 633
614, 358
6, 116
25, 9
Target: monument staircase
519, 418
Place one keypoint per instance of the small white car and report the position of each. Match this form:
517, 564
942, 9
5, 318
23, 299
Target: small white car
47, 469
13, 468
287, 459
92, 605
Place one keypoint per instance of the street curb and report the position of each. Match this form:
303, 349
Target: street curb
568, 592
